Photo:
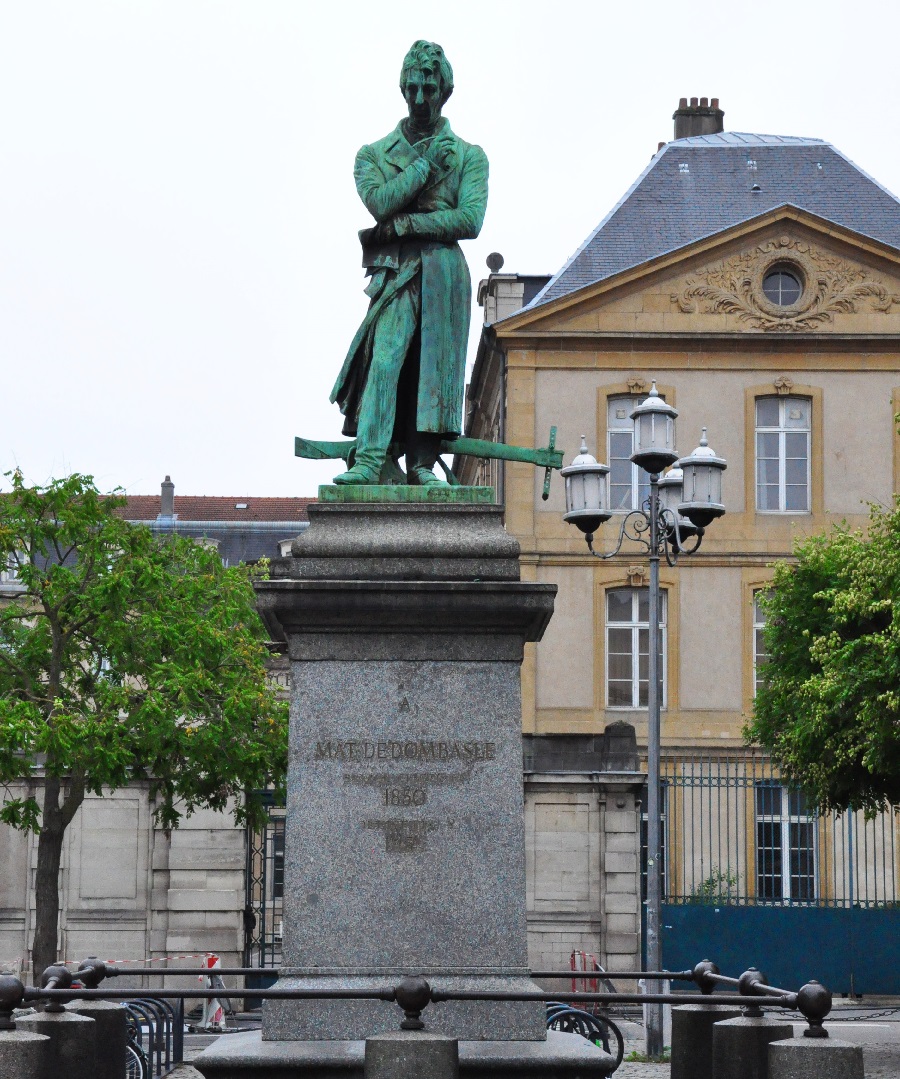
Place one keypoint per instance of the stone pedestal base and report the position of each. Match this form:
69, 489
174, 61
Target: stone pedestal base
411, 1052
406, 626
246, 1056
110, 1034
23, 1054
72, 1049
352, 1019
741, 1046
824, 1058
692, 1038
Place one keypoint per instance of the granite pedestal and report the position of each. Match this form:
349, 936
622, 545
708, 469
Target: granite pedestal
824, 1058
741, 1046
692, 1038
405, 624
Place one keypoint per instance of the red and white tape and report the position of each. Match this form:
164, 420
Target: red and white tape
143, 962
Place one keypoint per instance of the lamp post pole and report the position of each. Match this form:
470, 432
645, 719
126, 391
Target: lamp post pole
691, 498
654, 881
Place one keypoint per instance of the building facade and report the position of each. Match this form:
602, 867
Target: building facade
757, 279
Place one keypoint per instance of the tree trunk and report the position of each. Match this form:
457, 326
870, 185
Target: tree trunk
56, 817
46, 884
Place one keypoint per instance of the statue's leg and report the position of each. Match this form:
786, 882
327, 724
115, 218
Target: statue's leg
421, 456
378, 406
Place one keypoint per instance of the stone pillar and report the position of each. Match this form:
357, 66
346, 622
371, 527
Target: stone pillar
620, 867
824, 1058
741, 1046
110, 1034
405, 626
692, 1038
411, 1053
24, 1055
71, 1053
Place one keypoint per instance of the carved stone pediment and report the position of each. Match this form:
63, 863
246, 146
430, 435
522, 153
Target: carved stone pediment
829, 284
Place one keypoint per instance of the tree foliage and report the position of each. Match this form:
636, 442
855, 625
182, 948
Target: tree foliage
829, 708
125, 656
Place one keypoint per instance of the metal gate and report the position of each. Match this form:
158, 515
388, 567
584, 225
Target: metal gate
264, 892
753, 877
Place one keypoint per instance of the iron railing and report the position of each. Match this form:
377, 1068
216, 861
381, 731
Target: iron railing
413, 994
735, 834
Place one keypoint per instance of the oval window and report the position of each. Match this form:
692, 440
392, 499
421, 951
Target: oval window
782, 286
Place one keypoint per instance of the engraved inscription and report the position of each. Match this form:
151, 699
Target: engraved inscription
403, 836
404, 751
399, 787
405, 796
383, 779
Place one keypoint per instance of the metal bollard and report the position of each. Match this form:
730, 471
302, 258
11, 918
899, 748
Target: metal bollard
110, 1034
741, 1046
825, 1058
411, 1054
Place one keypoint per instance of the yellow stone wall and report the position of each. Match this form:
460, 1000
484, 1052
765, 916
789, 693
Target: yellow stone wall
840, 347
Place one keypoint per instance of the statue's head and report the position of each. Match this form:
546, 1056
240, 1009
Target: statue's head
426, 81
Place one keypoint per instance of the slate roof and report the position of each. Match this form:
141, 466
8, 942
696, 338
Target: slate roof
240, 534
219, 508
696, 187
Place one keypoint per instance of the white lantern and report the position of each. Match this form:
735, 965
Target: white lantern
587, 491
654, 433
702, 485
670, 498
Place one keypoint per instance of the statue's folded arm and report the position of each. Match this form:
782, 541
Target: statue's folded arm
464, 221
384, 198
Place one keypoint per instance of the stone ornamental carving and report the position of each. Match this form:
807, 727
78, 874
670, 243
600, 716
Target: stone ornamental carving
635, 576
637, 386
829, 285
783, 385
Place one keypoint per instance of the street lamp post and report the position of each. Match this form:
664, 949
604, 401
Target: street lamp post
671, 522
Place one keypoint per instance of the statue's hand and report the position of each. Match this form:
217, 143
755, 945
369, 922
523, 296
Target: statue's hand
383, 233
440, 151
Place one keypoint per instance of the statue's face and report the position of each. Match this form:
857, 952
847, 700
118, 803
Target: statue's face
423, 97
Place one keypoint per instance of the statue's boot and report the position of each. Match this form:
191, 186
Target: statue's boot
425, 477
359, 474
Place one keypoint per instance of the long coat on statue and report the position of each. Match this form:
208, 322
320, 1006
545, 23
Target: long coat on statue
393, 179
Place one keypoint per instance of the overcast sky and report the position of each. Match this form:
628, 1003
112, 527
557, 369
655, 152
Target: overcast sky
179, 265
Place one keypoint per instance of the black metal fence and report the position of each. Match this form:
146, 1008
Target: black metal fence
735, 834
265, 889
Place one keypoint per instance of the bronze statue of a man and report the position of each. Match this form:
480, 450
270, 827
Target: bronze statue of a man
403, 379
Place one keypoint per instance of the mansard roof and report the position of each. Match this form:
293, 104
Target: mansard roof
696, 187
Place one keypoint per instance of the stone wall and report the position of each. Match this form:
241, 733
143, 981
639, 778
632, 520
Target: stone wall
582, 836
129, 892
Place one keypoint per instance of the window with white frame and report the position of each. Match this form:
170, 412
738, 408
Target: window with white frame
760, 655
628, 484
782, 454
785, 845
627, 647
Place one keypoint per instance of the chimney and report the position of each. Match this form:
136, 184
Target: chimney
701, 117
167, 498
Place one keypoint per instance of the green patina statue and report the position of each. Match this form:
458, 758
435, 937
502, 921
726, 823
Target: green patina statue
403, 379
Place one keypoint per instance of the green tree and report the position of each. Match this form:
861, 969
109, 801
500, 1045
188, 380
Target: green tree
829, 708
125, 656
